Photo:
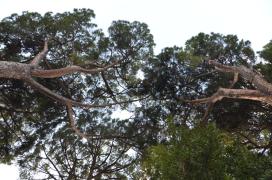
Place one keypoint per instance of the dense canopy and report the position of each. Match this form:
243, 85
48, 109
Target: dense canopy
202, 111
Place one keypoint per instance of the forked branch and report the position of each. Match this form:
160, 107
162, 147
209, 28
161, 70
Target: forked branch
263, 92
247, 74
26, 72
248, 94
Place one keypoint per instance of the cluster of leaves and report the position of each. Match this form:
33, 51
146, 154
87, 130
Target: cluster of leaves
204, 153
35, 131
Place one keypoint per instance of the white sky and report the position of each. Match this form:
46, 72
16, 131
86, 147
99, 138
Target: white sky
172, 22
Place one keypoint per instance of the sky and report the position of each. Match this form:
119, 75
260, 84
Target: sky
171, 22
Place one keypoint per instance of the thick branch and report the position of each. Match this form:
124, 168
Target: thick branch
235, 94
25, 72
14, 70
263, 92
235, 79
68, 70
249, 75
211, 104
37, 59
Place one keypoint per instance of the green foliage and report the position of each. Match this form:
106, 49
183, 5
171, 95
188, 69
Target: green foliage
265, 67
203, 153
227, 49
132, 39
266, 53
133, 44
34, 129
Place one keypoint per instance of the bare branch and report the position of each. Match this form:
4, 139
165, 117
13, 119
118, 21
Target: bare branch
211, 104
223, 68
72, 122
263, 92
249, 75
207, 112
37, 59
54, 73
221, 93
235, 79
47, 92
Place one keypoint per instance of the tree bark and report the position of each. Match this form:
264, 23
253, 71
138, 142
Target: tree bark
14, 70
262, 93
248, 74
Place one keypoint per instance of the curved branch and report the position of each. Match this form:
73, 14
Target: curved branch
47, 92
72, 122
37, 59
63, 100
54, 73
263, 92
25, 72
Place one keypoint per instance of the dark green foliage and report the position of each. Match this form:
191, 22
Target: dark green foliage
266, 53
227, 49
265, 67
131, 39
178, 74
31, 117
163, 130
204, 153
